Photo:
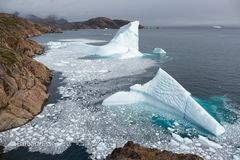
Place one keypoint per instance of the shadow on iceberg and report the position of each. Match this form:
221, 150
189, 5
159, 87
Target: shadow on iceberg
165, 94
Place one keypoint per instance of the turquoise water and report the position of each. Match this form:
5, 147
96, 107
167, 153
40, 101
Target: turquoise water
219, 107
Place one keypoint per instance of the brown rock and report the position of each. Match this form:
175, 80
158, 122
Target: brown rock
132, 151
9, 120
19, 112
22, 94
23, 81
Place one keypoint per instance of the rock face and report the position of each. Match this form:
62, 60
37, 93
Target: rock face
132, 151
94, 23
23, 81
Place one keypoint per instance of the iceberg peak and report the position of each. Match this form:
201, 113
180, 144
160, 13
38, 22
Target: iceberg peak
124, 44
127, 36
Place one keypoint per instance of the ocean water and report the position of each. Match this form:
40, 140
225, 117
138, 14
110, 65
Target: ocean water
204, 60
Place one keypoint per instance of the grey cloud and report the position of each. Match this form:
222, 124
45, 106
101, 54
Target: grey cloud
150, 12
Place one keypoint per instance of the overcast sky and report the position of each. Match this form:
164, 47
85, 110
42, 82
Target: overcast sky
149, 12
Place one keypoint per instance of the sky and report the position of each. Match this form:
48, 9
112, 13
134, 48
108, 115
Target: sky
149, 12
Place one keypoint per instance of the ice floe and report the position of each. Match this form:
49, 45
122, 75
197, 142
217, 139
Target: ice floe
82, 40
205, 141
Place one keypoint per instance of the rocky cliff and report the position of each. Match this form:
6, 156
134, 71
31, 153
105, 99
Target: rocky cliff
132, 151
94, 23
23, 81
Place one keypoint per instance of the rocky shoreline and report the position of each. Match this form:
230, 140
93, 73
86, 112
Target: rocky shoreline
23, 80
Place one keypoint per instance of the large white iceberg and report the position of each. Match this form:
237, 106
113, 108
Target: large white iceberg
165, 94
123, 45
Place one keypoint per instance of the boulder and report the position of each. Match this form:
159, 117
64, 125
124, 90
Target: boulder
133, 151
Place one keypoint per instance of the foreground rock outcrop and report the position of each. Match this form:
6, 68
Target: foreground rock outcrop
132, 151
23, 81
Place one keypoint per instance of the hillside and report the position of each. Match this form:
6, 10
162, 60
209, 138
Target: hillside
94, 23
23, 81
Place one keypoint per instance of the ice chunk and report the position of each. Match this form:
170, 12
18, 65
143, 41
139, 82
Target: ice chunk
55, 45
187, 140
178, 138
205, 141
217, 27
160, 51
184, 147
70, 139
12, 144
101, 146
164, 93
236, 157
174, 143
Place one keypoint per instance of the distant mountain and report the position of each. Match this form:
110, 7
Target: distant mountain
94, 23
49, 21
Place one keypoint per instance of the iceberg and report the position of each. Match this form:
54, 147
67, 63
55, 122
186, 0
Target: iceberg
124, 44
165, 94
217, 27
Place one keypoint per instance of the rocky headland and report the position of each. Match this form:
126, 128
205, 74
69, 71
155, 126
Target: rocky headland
23, 81
94, 23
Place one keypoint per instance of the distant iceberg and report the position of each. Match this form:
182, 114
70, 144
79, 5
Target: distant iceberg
164, 93
123, 45
217, 27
